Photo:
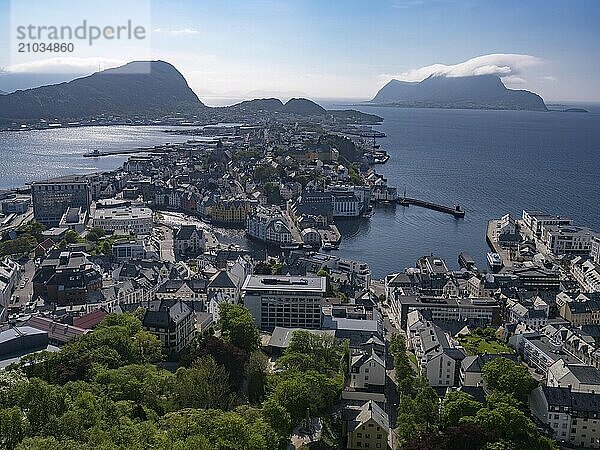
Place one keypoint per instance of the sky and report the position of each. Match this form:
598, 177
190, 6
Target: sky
327, 48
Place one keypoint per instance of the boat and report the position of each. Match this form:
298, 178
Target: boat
494, 261
291, 246
466, 261
93, 154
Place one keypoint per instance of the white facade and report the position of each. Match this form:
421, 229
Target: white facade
366, 371
586, 273
132, 219
282, 301
10, 275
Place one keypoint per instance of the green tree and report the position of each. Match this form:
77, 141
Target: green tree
456, 405
71, 237
501, 374
204, 385
13, 427
237, 327
311, 351
256, 374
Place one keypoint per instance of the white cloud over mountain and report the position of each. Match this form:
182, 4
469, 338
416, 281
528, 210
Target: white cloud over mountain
501, 64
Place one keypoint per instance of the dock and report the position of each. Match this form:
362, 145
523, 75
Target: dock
455, 210
157, 149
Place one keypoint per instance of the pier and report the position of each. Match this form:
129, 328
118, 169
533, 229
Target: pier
157, 149
456, 210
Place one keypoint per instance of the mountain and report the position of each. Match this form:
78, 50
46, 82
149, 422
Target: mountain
260, 104
139, 88
3, 93
303, 107
474, 92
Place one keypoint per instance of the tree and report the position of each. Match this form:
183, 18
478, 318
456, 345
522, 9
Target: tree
501, 374
71, 237
456, 405
13, 426
256, 374
311, 351
237, 327
204, 385
229, 356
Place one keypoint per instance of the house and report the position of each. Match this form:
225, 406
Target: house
570, 417
187, 290
172, 322
534, 316
366, 426
367, 372
58, 333
10, 275
90, 320
578, 377
188, 241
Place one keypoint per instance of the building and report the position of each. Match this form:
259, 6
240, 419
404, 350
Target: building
567, 239
10, 275
587, 273
291, 302
595, 249
438, 358
186, 290
16, 205
583, 311
534, 316
535, 221
189, 241
231, 211
51, 198
67, 278
131, 219
367, 372
74, 218
366, 426
172, 321
358, 272
577, 377
570, 417
540, 352
269, 225
479, 312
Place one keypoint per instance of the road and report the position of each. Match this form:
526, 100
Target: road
165, 237
22, 295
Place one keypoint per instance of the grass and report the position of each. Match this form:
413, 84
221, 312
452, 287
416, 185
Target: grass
476, 345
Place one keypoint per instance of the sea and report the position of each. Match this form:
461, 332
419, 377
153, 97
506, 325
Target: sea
489, 162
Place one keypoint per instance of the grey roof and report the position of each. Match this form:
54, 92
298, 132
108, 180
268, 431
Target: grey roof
222, 280
577, 401
585, 374
163, 314
356, 417
284, 283
186, 232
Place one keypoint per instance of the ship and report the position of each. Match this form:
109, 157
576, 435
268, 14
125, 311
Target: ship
466, 261
494, 261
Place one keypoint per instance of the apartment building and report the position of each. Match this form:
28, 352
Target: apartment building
284, 301
51, 198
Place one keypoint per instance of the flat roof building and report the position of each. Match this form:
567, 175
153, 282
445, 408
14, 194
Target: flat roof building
284, 301
51, 198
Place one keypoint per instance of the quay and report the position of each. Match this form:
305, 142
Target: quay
158, 149
456, 210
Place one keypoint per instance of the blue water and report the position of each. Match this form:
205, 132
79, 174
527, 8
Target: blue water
490, 162
35, 155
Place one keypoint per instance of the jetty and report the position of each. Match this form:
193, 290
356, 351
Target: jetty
455, 210
157, 149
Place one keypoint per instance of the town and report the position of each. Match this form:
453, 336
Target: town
326, 355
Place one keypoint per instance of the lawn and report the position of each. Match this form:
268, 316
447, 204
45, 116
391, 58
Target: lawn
475, 345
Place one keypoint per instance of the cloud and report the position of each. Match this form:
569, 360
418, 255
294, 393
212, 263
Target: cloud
501, 64
176, 32
65, 65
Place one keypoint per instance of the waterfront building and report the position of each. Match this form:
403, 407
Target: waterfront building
595, 249
51, 198
284, 301
535, 221
567, 239
17, 205
131, 219
572, 418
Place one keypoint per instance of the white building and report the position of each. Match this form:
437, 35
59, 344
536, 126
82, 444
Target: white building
587, 273
269, 225
367, 371
534, 221
10, 275
131, 219
284, 301
578, 377
567, 239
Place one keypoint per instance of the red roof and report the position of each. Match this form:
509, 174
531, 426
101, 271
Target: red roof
90, 320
